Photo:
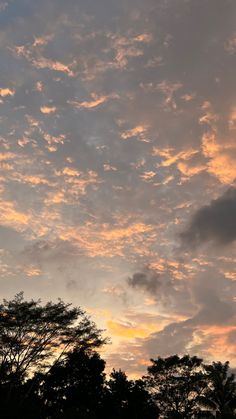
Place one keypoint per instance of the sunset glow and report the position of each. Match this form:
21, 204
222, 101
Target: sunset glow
118, 168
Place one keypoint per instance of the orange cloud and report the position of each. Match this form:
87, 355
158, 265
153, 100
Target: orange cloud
11, 217
7, 156
139, 131
166, 87
43, 40
221, 348
171, 157
120, 233
23, 141
94, 103
232, 119
209, 117
52, 65
6, 92
123, 53
53, 142
35, 180
39, 86
48, 109
126, 331
108, 167
230, 275
55, 198
188, 97
42, 62
105, 240
144, 37
69, 171
32, 271
131, 331
147, 176
222, 157
189, 171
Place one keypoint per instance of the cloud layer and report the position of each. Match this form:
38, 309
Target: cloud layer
118, 122
215, 222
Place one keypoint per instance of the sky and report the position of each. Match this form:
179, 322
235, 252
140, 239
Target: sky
118, 168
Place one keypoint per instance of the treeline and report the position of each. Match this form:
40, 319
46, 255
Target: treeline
50, 368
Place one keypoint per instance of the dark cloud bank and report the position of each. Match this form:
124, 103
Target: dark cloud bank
215, 222
207, 302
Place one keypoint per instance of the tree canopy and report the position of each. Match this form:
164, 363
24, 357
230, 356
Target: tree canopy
220, 395
176, 384
51, 368
31, 334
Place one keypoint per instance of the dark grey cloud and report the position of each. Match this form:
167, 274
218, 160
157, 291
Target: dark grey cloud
170, 294
150, 281
178, 337
211, 296
60, 251
215, 222
174, 338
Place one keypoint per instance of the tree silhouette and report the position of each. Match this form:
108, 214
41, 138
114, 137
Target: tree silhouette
118, 393
50, 369
128, 399
74, 385
220, 395
176, 384
32, 336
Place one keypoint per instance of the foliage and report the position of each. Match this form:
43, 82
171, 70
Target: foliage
176, 384
220, 395
31, 334
74, 385
35, 336
128, 399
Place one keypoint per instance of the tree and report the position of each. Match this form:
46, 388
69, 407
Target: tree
176, 384
220, 395
30, 333
141, 405
118, 394
127, 399
74, 386
34, 336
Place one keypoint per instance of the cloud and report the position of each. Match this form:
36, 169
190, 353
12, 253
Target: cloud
221, 156
214, 223
139, 132
3, 6
94, 103
127, 329
42, 251
171, 157
149, 281
174, 338
53, 65
107, 240
7, 156
230, 44
166, 285
40, 62
6, 92
32, 271
188, 171
48, 109
12, 217
208, 331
